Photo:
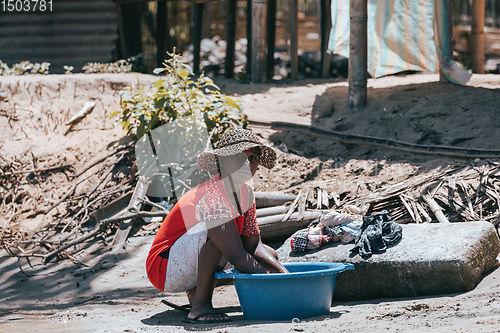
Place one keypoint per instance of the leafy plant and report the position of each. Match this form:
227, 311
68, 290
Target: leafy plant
68, 69
24, 67
120, 66
176, 95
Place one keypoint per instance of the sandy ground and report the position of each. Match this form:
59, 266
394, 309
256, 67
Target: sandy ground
111, 293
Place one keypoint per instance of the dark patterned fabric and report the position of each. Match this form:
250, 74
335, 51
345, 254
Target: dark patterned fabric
299, 240
377, 233
335, 232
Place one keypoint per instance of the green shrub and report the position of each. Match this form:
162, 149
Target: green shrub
176, 95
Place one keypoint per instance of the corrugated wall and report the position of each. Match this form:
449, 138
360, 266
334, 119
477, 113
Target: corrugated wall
74, 33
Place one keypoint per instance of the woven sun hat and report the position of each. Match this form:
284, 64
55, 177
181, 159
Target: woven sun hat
234, 142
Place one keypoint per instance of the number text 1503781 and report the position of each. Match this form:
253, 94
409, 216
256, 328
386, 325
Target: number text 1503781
26, 5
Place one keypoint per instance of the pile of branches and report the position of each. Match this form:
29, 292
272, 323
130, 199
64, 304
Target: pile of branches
108, 182
454, 194
107, 210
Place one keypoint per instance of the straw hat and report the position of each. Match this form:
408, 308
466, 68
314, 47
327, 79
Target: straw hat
234, 142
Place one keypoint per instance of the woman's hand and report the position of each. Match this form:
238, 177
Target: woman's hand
263, 253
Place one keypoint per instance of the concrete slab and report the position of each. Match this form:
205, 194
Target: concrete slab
431, 259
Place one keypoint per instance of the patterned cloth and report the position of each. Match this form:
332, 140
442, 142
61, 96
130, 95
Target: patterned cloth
314, 237
209, 203
377, 233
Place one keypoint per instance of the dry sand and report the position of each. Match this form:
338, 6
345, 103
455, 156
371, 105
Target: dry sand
112, 293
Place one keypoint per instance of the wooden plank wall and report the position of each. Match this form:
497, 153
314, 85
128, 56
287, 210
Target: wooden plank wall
74, 33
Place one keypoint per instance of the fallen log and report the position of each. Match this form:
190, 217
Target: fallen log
268, 199
273, 229
271, 211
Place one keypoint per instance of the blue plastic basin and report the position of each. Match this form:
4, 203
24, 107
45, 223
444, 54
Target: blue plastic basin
305, 292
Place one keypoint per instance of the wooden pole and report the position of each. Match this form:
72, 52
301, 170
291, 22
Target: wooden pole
161, 32
271, 38
197, 31
231, 39
435, 208
477, 36
294, 38
249, 37
326, 25
259, 41
358, 54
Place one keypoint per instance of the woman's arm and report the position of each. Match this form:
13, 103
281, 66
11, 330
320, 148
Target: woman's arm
227, 239
264, 254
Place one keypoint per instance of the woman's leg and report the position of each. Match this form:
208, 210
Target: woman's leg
201, 296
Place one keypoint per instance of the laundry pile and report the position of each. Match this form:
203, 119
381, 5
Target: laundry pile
372, 234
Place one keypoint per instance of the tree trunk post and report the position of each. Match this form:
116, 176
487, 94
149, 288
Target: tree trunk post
249, 38
477, 36
161, 32
231, 39
271, 37
294, 38
259, 40
326, 26
197, 31
358, 54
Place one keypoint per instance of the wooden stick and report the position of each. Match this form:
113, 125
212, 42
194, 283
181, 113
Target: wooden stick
101, 159
435, 208
387, 143
302, 204
325, 199
37, 170
106, 174
99, 228
319, 199
336, 198
433, 193
134, 205
418, 218
82, 113
408, 208
467, 198
428, 219
75, 181
292, 207
67, 194
152, 204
